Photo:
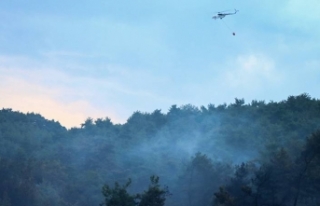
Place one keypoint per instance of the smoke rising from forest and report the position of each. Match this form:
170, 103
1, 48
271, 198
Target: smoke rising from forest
193, 150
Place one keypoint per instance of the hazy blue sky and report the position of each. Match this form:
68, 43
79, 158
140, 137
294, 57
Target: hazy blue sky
69, 60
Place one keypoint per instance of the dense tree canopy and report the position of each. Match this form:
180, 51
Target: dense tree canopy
254, 153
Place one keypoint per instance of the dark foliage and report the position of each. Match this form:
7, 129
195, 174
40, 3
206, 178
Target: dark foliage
238, 154
155, 195
279, 182
119, 196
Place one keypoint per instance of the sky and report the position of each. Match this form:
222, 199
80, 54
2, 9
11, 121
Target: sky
70, 60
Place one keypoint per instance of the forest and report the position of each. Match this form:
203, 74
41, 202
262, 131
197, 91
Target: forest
241, 154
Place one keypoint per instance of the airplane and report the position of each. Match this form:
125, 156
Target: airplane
221, 15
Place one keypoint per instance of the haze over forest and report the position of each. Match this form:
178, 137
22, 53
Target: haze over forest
244, 153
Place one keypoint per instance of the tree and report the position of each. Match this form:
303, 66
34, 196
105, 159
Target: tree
201, 178
155, 195
308, 162
223, 198
118, 196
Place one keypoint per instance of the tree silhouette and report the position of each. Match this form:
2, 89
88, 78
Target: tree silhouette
155, 195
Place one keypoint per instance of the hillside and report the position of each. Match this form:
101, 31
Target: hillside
193, 150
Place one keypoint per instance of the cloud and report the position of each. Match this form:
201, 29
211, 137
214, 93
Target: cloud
27, 97
50, 92
69, 90
251, 72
